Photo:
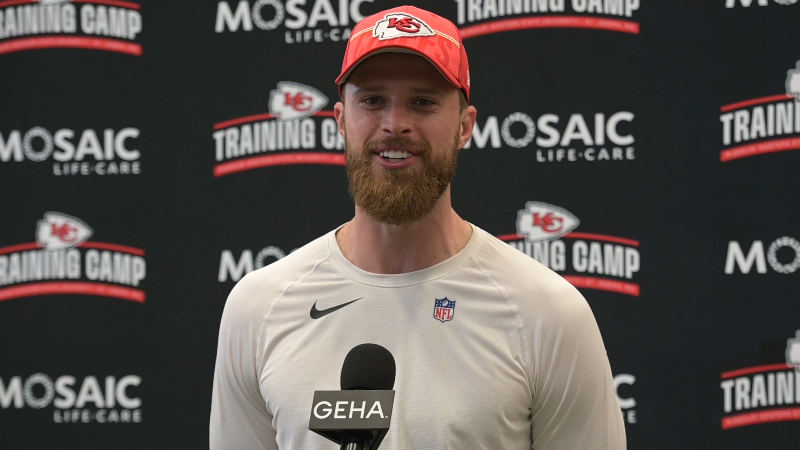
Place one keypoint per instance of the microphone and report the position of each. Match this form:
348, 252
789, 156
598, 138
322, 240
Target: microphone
358, 416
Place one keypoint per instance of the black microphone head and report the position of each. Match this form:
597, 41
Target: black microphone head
368, 367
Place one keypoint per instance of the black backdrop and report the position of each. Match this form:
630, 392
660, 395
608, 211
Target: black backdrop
676, 66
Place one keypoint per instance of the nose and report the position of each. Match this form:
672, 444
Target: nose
396, 120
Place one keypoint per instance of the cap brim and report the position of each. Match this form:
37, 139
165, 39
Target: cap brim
395, 49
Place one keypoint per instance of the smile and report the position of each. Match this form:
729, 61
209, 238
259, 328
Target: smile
395, 154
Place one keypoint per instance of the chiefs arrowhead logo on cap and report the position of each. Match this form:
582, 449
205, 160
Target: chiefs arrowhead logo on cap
386, 32
59, 231
396, 25
541, 221
295, 101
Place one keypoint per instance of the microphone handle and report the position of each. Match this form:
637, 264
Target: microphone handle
355, 441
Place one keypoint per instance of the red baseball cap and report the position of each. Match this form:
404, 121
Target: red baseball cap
407, 29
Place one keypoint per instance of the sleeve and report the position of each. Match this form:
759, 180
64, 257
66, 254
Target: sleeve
574, 403
239, 417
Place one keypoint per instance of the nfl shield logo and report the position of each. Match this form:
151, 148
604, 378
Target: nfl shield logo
444, 309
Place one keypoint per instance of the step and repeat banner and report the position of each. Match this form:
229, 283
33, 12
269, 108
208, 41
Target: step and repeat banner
153, 153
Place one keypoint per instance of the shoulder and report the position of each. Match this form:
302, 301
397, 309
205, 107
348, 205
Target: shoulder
547, 305
256, 292
522, 277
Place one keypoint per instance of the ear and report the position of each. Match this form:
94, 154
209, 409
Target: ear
468, 118
338, 114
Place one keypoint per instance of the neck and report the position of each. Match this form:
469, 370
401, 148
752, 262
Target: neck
381, 248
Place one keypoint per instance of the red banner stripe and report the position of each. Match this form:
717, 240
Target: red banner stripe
240, 120
72, 287
592, 236
602, 237
523, 23
761, 148
256, 162
755, 418
755, 369
92, 43
87, 244
19, 248
510, 237
121, 4
603, 284
755, 101
257, 117
113, 247
15, 2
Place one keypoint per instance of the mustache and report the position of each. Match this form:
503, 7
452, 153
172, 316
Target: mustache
420, 146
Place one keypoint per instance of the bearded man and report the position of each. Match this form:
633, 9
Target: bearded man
492, 349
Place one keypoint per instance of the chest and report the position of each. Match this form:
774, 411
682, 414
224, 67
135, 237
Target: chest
461, 380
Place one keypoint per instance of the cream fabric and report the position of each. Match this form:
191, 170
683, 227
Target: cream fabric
521, 365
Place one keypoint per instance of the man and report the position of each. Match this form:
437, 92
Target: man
493, 350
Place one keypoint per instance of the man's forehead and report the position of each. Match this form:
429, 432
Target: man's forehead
377, 71
415, 90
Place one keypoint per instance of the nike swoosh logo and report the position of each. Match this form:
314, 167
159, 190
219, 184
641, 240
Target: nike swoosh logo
316, 313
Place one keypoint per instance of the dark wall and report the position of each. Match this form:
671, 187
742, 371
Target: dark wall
150, 155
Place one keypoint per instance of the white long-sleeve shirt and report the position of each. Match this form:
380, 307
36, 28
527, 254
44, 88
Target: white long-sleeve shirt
520, 364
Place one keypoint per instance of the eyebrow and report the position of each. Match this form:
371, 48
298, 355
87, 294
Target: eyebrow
369, 89
423, 91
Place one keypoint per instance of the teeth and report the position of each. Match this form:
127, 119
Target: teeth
395, 154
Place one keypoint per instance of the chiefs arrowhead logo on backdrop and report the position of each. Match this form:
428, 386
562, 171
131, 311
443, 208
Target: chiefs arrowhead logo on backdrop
59, 231
793, 82
793, 351
295, 101
541, 221
396, 25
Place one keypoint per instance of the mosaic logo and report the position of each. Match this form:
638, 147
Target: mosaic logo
576, 138
87, 152
90, 400
747, 3
783, 256
231, 268
622, 382
301, 21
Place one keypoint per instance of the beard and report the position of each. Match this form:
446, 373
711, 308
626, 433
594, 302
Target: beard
399, 196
